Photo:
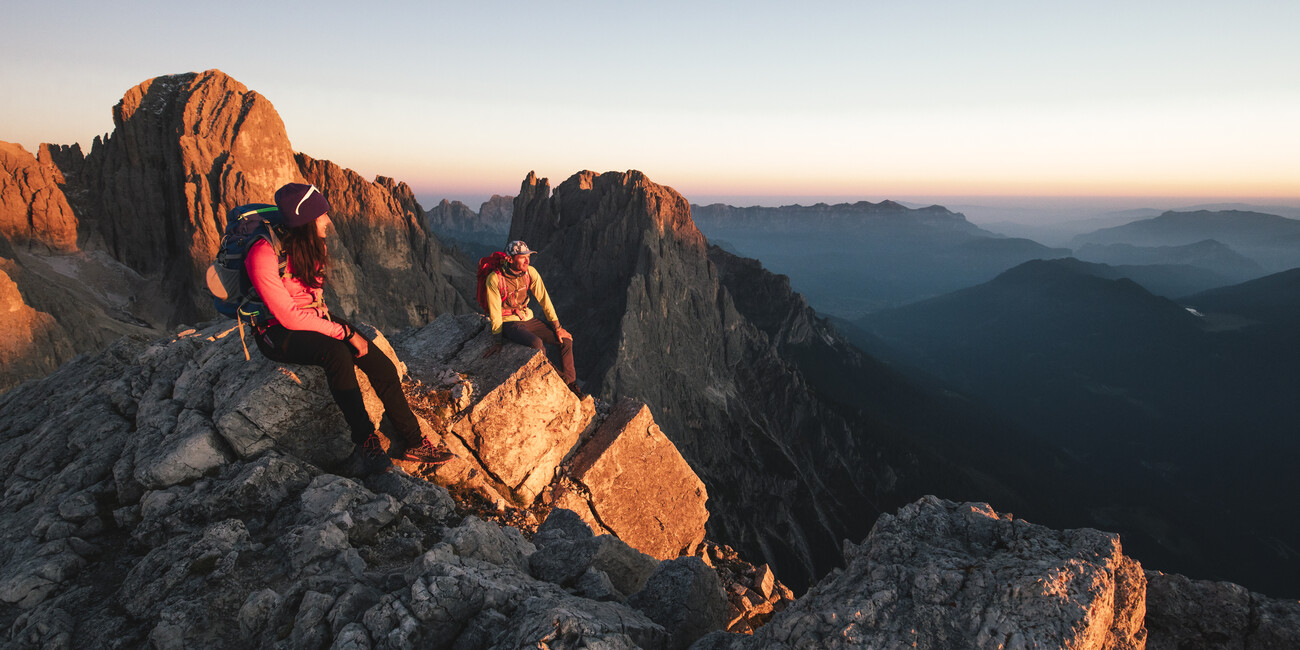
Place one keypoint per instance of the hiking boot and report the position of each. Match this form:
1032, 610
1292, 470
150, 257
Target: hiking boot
425, 452
573, 388
367, 459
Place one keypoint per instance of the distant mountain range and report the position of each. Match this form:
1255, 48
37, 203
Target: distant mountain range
1270, 240
850, 259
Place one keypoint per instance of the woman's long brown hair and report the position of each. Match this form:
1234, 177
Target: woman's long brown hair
305, 250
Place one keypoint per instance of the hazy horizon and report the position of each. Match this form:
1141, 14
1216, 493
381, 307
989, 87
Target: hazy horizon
842, 99
1030, 210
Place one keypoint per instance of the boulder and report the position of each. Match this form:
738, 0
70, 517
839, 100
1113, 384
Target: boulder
522, 421
477, 539
566, 561
940, 574
562, 624
685, 597
639, 486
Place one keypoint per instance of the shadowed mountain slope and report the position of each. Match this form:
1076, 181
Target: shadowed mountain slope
1165, 409
796, 434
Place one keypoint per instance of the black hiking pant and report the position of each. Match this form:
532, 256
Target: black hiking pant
535, 334
336, 357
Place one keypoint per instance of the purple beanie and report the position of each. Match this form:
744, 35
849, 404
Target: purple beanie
300, 204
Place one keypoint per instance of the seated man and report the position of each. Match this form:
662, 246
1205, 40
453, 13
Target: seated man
507, 304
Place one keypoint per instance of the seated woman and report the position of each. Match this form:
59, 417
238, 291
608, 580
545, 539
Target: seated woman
302, 330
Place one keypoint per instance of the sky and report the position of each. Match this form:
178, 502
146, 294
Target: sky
745, 103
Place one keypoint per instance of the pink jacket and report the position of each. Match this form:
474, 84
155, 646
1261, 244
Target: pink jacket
292, 303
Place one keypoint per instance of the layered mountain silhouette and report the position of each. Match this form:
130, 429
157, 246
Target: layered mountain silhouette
1269, 240
1175, 413
850, 259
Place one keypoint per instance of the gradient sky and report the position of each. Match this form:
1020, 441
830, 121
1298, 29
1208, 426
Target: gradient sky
722, 101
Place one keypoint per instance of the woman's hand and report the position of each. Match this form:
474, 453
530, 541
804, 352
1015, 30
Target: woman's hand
561, 333
359, 344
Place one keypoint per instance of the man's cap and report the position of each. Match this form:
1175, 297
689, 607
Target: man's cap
518, 248
300, 204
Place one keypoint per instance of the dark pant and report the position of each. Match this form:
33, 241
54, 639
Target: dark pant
535, 334
280, 344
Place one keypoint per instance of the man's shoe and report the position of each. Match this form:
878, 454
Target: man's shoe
425, 452
573, 388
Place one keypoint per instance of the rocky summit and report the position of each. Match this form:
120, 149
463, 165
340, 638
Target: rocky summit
176, 495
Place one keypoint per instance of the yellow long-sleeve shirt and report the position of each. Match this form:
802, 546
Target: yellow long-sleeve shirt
515, 286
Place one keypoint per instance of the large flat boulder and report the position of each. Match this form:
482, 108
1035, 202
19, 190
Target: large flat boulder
638, 486
521, 421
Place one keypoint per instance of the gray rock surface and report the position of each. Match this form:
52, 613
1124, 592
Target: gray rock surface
122, 530
685, 597
566, 555
1186, 614
946, 575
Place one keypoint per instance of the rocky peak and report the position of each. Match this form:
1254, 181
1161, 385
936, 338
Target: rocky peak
653, 320
488, 227
34, 213
177, 495
185, 149
497, 210
386, 266
626, 201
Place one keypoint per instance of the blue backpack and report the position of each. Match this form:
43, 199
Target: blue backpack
232, 290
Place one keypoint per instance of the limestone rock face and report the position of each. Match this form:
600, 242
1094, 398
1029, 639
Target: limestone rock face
386, 267
33, 210
185, 149
946, 575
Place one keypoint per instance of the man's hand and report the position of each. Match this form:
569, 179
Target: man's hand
359, 345
562, 334
492, 349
